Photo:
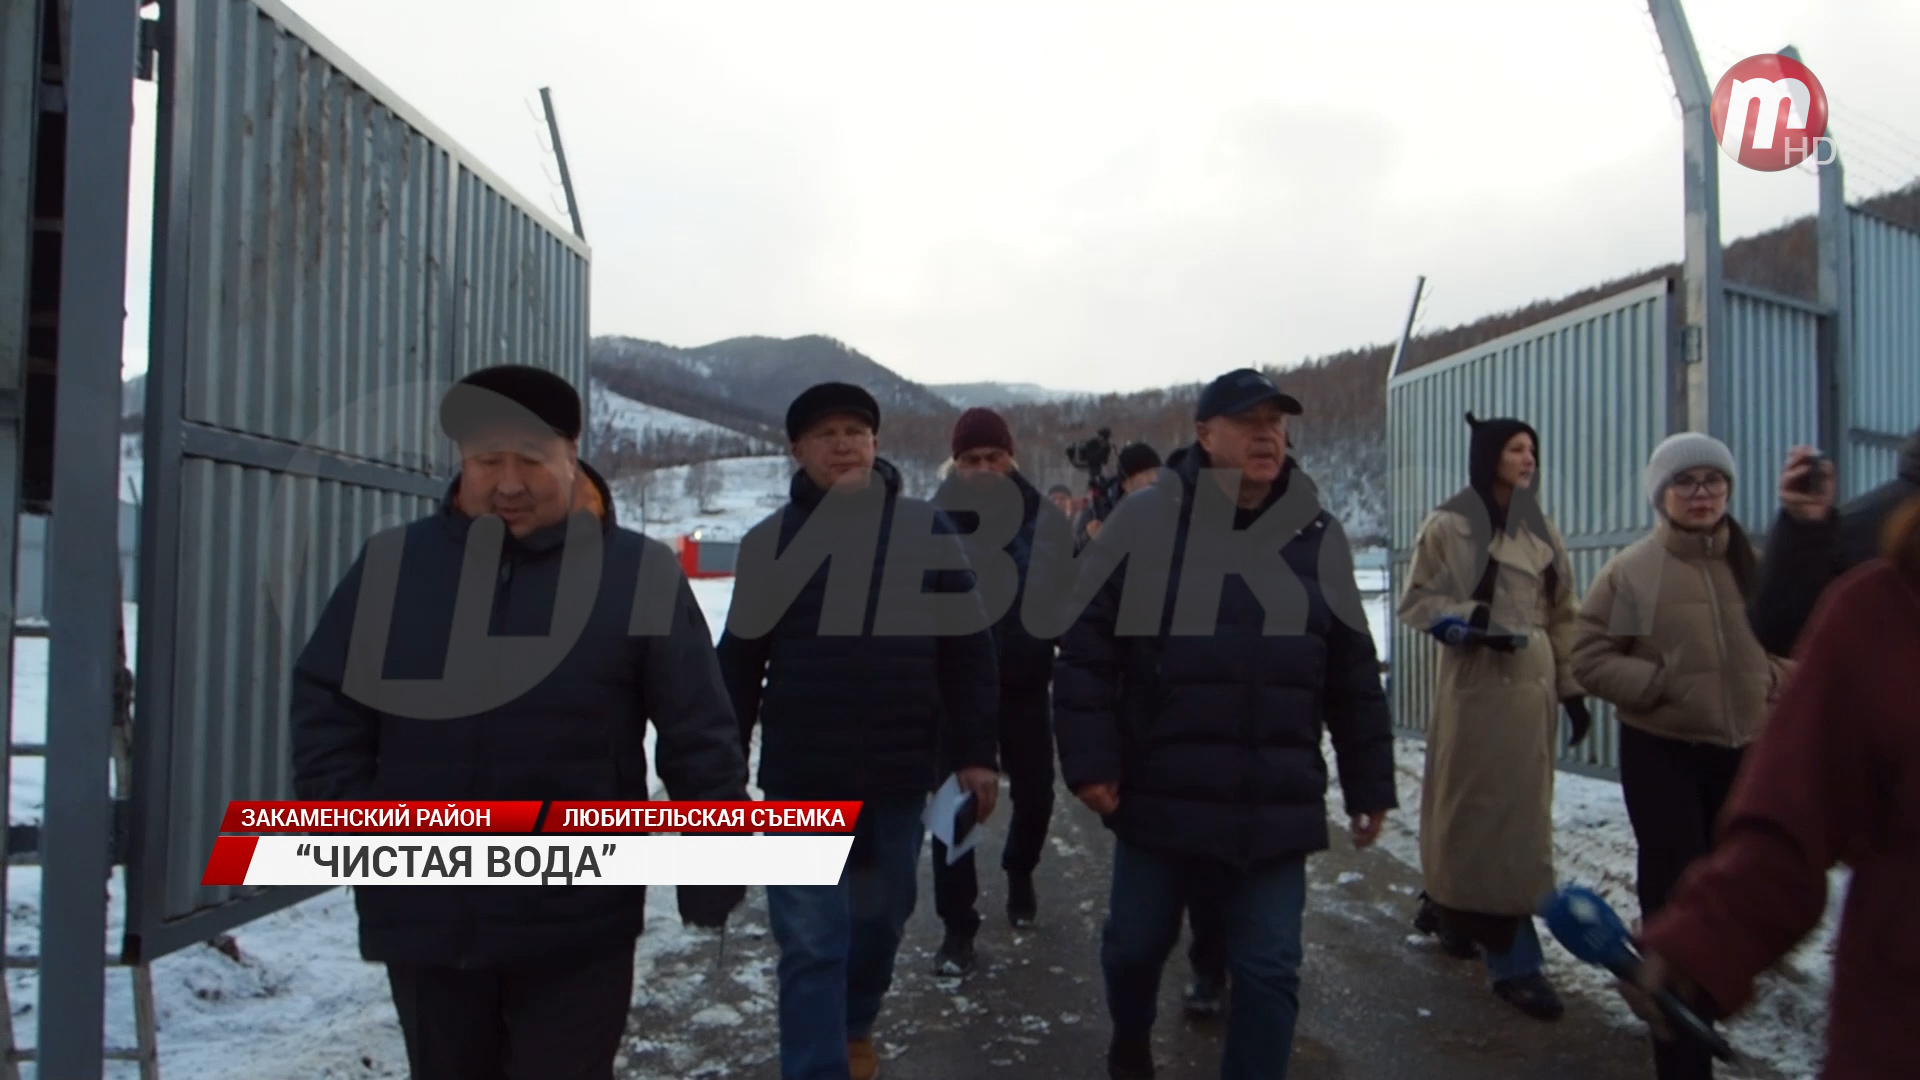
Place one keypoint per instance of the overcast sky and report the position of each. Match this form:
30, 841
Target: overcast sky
1102, 194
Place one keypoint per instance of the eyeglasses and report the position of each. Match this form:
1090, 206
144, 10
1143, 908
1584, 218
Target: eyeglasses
1715, 485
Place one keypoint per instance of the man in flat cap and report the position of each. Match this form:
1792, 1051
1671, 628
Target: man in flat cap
520, 980
1193, 725
853, 701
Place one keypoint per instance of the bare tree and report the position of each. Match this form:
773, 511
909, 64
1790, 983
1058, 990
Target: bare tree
703, 485
646, 485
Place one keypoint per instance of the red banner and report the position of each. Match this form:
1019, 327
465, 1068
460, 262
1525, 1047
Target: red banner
623, 818
380, 817
702, 817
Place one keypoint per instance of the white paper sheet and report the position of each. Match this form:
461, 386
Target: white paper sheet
939, 819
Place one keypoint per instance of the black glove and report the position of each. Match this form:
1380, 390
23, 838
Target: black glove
1452, 631
707, 906
1579, 717
1488, 634
1501, 641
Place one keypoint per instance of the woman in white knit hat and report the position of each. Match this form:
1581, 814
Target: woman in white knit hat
1663, 635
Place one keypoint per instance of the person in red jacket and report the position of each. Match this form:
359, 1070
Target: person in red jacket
1835, 778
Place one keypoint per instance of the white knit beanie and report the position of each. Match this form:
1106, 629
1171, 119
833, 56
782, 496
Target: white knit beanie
1687, 450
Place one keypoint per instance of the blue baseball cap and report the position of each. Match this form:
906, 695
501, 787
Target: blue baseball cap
1238, 391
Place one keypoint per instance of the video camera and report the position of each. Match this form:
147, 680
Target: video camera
1092, 455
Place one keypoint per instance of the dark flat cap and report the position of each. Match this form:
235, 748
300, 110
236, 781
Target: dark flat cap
830, 399
1238, 391
513, 396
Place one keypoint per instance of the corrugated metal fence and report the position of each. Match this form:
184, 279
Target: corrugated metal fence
1881, 395
1595, 383
1774, 386
1600, 384
325, 263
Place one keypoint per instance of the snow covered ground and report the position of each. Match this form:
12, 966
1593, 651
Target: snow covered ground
738, 492
637, 420
1594, 846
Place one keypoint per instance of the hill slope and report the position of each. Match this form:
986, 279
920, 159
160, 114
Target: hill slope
745, 383
994, 395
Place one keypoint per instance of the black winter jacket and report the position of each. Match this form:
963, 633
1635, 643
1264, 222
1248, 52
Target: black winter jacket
577, 734
1025, 660
863, 714
1215, 739
1802, 559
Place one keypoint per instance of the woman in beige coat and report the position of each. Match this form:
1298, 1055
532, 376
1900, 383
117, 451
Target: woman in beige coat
1663, 635
1491, 580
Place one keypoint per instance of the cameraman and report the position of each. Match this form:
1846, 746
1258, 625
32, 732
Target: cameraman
1813, 542
1138, 465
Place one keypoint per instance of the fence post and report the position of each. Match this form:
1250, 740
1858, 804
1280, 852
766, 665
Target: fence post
1703, 383
83, 549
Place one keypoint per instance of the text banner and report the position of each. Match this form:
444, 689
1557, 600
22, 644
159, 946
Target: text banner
798, 859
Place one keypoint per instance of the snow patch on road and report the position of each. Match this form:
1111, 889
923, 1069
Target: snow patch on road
1785, 1025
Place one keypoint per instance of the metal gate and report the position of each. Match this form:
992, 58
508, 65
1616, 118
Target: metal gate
326, 262
1881, 394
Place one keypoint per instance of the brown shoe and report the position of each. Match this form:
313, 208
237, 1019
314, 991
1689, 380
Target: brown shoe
864, 1062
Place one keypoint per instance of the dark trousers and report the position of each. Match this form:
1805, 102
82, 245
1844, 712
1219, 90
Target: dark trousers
1674, 791
1206, 940
551, 1020
1260, 913
838, 942
1026, 758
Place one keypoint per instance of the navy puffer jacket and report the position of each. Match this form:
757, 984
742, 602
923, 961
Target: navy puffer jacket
1215, 737
1026, 660
580, 733
862, 714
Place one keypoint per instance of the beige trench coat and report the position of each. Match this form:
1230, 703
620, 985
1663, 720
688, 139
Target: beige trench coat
1486, 809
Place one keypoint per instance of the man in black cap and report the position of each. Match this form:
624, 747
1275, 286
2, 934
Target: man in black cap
1137, 465
859, 710
499, 980
1197, 737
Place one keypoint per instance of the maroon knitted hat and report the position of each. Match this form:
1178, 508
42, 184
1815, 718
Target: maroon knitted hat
978, 427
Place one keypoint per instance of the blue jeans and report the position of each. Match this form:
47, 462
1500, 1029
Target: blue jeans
1260, 912
837, 942
1523, 957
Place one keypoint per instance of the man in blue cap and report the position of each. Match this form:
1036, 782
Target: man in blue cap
1198, 743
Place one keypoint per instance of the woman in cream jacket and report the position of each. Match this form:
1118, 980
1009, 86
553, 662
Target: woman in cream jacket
1663, 635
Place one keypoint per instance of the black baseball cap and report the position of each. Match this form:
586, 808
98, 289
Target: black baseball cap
511, 396
1240, 390
1136, 458
830, 399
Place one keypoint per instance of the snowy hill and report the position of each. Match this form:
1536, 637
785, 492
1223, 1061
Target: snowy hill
745, 383
637, 420
996, 395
